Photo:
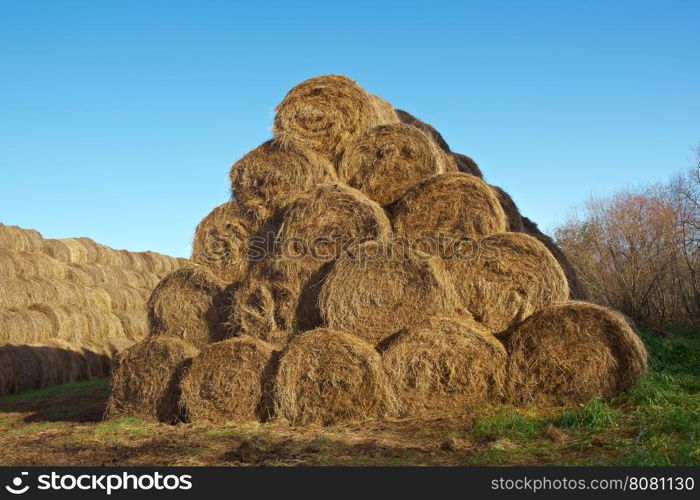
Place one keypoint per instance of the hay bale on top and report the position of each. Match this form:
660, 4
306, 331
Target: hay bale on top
569, 353
514, 221
452, 205
188, 304
388, 160
577, 291
466, 165
377, 290
325, 376
146, 382
270, 177
18, 239
511, 276
324, 113
383, 110
427, 129
444, 365
226, 382
317, 228
30, 265
221, 242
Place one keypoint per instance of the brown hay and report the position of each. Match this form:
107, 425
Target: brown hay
225, 382
388, 160
17, 239
30, 265
514, 221
383, 110
445, 365
272, 176
188, 304
569, 353
377, 290
577, 291
317, 228
146, 381
21, 293
427, 129
134, 323
452, 205
325, 113
122, 297
221, 242
24, 326
326, 376
467, 165
511, 276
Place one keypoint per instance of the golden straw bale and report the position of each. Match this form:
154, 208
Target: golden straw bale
19, 239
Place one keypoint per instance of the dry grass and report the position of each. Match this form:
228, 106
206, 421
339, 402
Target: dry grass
466, 165
514, 221
427, 129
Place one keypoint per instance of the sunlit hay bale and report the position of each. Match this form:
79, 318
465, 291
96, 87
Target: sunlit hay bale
427, 129
572, 352
317, 228
18, 239
514, 221
326, 376
121, 297
226, 382
134, 323
272, 176
30, 265
383, 110
24, 326
386, 161
146, 381
466, 165
577, 290
221, 242
444, 365
74, 250
188, 304
377, 290
21, 293
447, 208
323, 114
509, 277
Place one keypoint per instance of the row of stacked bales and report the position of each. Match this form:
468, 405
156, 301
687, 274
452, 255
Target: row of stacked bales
68, 306
364, 270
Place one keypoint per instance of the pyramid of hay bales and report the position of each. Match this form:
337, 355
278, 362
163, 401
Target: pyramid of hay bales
364, 270
68, 306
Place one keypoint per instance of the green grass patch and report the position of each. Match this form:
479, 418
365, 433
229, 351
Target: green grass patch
506, 422
596, 415
57, 391
131, 425
36, 427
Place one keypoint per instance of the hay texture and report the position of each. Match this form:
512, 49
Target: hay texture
511, 276
324, 114
388, 160
188, 304
226, 382
325, 376
466, 165
378, 290
452, 205
444, 365
569, 353
427, 129
146, 383
514, 221
221, 242
272, 176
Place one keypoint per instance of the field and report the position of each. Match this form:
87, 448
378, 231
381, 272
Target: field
657, 423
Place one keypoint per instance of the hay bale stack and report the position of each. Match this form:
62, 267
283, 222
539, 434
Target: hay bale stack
188, 304
386, 161
273, 175
146, 382
378, 289
221, 242
511, 276
325, 376
17, 239
449, 206
514, 221
324, 114
226, 382
569, 353
444, 365
427, 129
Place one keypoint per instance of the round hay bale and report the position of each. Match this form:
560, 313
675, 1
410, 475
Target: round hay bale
383, 110
429, 130
323, 114
466, 165
514, 221
226, 382
444, 365
388, 160
511, 276
318, 228
21, 293
24, 326
146, 382
17, 239
577, 291
377, 290
19, 368
134, 323
60, 362
188, 304
30, 265
572, 352
447, 208
272, 176
221, 242
326, 376
121, 297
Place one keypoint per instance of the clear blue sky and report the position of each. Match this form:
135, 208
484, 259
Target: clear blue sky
119, 120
